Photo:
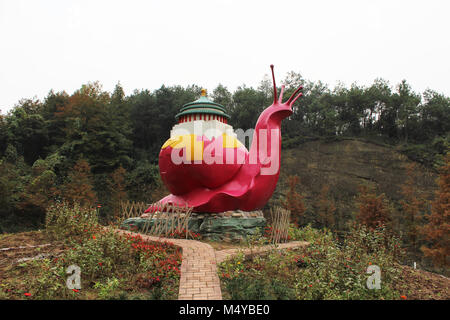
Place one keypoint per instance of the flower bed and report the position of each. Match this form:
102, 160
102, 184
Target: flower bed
112, 266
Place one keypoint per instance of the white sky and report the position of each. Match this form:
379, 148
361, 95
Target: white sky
62, 44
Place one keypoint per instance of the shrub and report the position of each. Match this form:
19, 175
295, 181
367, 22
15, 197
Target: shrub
338, 270
326, 269
63, 220
106, 290
104, 256
48, 280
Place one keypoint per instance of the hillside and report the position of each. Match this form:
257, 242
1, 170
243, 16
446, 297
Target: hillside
345, 164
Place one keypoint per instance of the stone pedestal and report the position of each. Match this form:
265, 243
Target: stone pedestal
229, 226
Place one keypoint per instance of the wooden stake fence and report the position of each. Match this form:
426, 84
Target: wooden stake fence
280, 224
164, 222
129, 209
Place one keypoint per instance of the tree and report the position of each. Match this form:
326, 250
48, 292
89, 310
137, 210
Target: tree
248, 104
314, 106
435, 114
222, 96
117, 187
56, 126
3, 135
325, 208
352, 111
11, 185
40, 190
152, 116
437, 230
294, 201
27, 130
373, 209
79, 185
406, 103
142, 181
93, 131
413, 205
292, 81
378, 98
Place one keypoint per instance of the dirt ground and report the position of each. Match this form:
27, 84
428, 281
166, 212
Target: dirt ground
423, 285
25, 245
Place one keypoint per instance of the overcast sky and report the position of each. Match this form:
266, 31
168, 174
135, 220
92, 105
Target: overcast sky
143, 44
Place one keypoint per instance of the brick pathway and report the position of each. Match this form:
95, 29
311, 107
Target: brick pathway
199, 279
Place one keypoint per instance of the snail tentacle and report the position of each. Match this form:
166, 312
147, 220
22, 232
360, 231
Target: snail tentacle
295, 99
291, 101
274, 85
280, 99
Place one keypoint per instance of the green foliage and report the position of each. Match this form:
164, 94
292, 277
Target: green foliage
27, 130
63, 220
112, 265
245, 287
47, 280
92, 129
308, 234
435, 115
431, 154
152, 116
326, 269
106, 290
142, 181
78, 187
248, 103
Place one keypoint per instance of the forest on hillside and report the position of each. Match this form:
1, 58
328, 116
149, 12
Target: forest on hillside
98, 148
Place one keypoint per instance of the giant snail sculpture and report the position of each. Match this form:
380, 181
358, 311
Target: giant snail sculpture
245, 183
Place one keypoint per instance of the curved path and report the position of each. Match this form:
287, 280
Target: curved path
199, 279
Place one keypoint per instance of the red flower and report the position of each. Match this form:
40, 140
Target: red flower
27, 294
75, 290
100, 264
310, 285
93, 237
403, 297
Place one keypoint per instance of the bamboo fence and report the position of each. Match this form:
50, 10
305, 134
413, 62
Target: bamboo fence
166, 221
129, 209
280, 224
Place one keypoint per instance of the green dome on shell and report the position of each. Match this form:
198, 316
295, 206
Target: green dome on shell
202, 106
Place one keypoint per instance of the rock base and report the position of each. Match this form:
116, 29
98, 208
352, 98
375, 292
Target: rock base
229, 226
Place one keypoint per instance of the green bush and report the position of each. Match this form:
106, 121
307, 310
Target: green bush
106, 290
326, 269
246, 287
63, 221
146, 270
47, 279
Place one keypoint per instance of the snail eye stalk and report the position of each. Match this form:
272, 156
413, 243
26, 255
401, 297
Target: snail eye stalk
293, 97
280, 99
274, 85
